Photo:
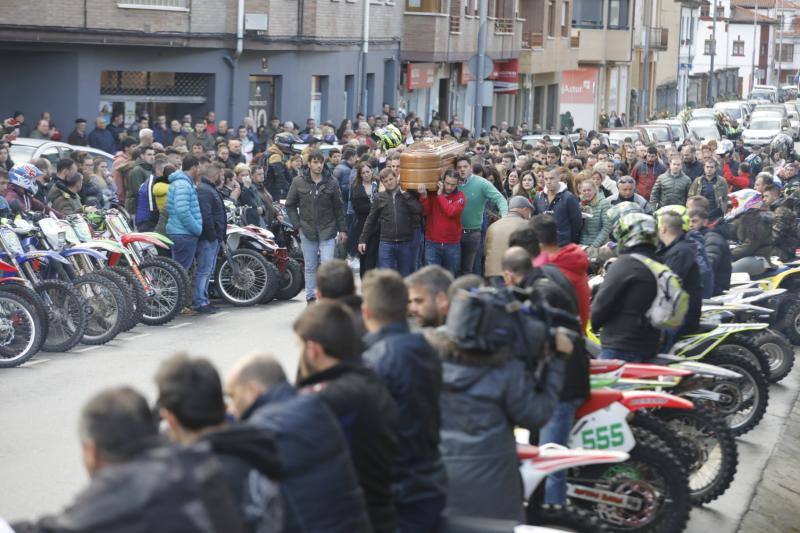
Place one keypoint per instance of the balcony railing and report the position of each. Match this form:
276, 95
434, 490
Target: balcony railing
455, 24
575, 41
532, 40
659, 39
504, 26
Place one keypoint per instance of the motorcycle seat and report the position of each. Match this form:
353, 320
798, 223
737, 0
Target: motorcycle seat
770, 272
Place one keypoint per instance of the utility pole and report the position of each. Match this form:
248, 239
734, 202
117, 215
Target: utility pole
645, 104
755, 45
364, 51
483, 11
710, 96
780, 42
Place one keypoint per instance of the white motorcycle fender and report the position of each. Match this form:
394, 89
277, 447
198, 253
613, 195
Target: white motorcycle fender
606, 429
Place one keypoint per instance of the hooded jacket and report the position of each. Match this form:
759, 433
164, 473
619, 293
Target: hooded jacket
572, 261
619, 307
252, 468
277, 177
566, 210
183, 207
681, 257
368, 418
319, 487
482, 400
146, 208
140, 173
212, 210
316, 208
64, 200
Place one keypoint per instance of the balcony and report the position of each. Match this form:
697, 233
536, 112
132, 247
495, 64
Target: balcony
442, 37
603, 45
531, 40
659, 39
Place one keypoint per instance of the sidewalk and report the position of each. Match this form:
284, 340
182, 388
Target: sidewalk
776, 503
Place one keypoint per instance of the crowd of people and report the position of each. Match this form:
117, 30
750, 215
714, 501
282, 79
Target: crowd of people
390, 427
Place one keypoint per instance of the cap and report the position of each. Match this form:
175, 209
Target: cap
519, 202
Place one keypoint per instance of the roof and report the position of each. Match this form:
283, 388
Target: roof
740, 14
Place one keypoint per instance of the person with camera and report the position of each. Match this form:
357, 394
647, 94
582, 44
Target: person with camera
486, 393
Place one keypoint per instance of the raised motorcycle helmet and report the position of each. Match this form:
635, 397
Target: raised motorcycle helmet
743, 201
755, 162
725, 147
679, 210
24, 176
285, 140
388, 136
782, 143
634, 229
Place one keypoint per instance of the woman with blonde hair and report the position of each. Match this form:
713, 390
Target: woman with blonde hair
538, 174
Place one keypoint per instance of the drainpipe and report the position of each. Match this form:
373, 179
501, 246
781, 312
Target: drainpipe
364, 51
233, 61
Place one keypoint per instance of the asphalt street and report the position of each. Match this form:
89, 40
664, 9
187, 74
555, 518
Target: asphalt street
40, 464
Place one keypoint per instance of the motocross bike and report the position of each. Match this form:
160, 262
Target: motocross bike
23, 319
698, 437
65, 308
786, 306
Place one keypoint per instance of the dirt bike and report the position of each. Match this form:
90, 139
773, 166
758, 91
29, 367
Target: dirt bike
23, 319
786, 306
717, 344
65, 308
242, 277
536, 463
649, 491
698, 437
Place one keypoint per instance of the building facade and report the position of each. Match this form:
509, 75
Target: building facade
84, 58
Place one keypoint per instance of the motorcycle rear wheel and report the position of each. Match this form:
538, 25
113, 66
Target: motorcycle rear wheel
67, 313
21, 333
751, 394
106, 308
254, 282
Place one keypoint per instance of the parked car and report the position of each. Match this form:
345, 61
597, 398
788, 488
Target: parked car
764, 127
660, 134
704, 128
702, 112
764, 92
617, 136
780, 109
678, 128
25, 150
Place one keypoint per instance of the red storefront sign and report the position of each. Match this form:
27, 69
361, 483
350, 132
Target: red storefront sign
420, 75
579, 86
506, 76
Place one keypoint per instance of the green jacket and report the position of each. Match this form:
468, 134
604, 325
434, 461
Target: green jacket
592, 231
63, 200
316, 209
478, 191
670, 190
720, 191
133, 181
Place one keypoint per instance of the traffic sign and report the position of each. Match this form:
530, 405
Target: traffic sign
488, 67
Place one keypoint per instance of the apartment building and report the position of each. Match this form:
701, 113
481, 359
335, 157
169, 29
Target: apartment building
260, 58
602, 81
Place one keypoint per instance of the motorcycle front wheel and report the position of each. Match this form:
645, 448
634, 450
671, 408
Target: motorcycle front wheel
251, 283
67, 311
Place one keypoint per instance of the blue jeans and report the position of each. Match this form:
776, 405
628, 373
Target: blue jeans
418, 245
470, 246
206, 260
397, 255
183, 249
557, 431
612, 353
325, 249
447, 256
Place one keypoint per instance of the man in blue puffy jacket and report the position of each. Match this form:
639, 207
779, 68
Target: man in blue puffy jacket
319, 485
185, 222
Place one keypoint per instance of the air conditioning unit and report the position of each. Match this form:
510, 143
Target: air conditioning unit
256, 22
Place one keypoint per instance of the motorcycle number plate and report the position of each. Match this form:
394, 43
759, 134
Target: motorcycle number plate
606, 429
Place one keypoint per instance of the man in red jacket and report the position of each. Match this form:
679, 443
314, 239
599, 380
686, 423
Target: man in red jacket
730, 168
571, 260
443, 223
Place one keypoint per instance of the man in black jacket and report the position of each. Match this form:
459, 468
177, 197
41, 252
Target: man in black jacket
335, 281
319, 485
215, 225
137, 485
412, 372
397, 213
190, 401
331, 367
717, 249
680, 255
627, 292
691, 166
314, 205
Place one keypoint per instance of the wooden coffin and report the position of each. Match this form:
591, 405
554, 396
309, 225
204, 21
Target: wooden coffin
426, 161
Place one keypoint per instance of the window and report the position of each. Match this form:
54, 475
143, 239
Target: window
551, 18
709, 47
565, 19
785, 52
424, 6
164, 5
618, 14
587, 14
705, 11
738, 47
720, 11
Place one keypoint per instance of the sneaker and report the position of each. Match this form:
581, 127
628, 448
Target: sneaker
311, 301
188, 311
207, 310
